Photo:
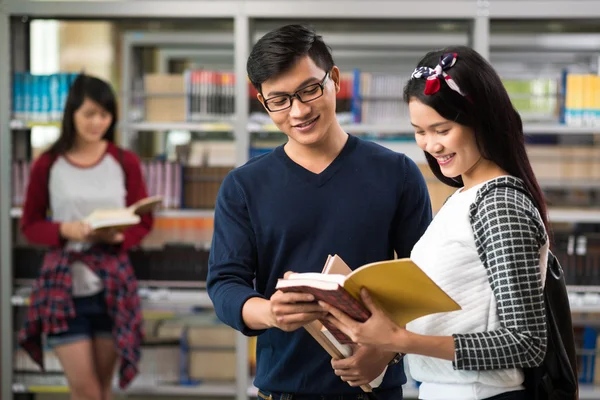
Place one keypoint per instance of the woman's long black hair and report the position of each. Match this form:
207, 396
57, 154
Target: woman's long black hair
487, 110
83, 87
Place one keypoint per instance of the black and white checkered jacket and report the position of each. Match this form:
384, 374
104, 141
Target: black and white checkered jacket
509, 235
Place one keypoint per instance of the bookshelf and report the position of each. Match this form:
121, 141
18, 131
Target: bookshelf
362, 36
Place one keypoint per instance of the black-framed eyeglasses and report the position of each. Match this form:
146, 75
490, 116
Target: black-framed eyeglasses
305, 94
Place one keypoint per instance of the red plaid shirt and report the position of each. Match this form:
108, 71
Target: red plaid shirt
51, 304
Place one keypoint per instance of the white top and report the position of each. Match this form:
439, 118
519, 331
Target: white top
448, 253
75, 192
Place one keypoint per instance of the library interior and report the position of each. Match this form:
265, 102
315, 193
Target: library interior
189, 113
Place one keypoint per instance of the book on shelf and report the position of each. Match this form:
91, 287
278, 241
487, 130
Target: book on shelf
122, 217
398, 286
40, 98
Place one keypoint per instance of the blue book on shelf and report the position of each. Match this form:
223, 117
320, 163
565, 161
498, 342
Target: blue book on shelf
562, 96
54, 97
18, 96
64, 85
38, 92
27, 96
356, 98
588, 359
72, 77
184, 361
44, 98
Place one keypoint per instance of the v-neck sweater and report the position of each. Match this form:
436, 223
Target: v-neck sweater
316, 179
272, 216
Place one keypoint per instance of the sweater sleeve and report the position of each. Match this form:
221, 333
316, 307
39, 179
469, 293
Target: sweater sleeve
233, 257
35, 224
509, 235
413, 214
136, 190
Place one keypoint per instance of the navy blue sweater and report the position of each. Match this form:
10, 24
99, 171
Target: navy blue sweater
273, 216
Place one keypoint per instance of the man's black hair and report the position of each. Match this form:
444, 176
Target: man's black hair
278, 50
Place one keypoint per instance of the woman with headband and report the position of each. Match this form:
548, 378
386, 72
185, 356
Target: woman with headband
487, 247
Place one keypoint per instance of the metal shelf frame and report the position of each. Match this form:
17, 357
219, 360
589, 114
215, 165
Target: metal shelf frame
250, 9
5, 200
243, 13
351, 9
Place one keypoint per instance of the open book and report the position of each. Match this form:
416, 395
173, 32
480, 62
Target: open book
398, 286
122, 217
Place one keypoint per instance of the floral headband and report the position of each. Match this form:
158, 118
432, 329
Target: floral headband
433, 75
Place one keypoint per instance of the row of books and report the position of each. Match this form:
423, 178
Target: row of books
172, 262
534, 98
587, 339
369, 97
579, 255
180, 258
206, 349
194, 185
200, 94
581, 99
162, 178
194, 95
377, 98
40, 98
572, 99
181, 186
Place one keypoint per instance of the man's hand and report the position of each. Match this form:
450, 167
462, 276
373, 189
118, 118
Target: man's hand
294, 310
363, 366
291, 311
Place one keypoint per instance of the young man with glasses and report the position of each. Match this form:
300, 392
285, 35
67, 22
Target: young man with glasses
323, 192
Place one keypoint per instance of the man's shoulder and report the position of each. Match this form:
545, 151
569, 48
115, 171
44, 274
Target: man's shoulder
253, 169
255, 165
372, 150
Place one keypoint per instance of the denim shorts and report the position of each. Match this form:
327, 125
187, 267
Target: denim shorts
91, 321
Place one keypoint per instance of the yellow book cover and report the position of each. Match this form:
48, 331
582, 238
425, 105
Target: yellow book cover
578, 98
570, 102
588, 85
596, 100
400, 288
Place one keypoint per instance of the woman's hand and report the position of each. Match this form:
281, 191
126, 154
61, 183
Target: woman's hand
80, 231
379, 330
77, 231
